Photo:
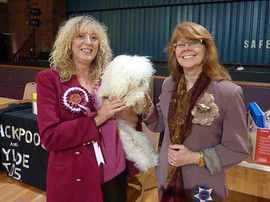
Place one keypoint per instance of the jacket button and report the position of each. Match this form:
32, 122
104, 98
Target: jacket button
88, 142
78, 180
77, 153
93, 142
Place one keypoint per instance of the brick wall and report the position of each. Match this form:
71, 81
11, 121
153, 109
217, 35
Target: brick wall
52, 14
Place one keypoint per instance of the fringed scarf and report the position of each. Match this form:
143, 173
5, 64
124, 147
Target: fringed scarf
180, 121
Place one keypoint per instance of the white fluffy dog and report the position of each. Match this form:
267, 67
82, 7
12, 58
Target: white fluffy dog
128, 78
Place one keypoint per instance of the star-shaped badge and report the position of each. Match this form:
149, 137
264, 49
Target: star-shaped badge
204, 194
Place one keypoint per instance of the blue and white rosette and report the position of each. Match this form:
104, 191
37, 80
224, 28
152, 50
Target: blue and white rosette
203, 194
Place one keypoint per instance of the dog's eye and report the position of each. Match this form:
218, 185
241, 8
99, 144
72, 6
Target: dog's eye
141, 83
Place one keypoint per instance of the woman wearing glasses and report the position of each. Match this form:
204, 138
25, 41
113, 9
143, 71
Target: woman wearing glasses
203, 118
87, 160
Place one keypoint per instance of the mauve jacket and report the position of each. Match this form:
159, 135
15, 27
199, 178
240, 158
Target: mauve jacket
72, 173
227, 134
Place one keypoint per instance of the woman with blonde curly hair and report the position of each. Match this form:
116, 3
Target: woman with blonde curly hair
87, 160
203, 117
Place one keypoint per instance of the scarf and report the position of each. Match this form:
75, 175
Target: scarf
180, 122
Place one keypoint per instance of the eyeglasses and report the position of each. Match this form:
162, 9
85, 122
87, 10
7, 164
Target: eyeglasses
192, 43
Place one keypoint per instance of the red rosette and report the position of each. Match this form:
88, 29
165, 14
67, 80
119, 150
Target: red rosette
75, 97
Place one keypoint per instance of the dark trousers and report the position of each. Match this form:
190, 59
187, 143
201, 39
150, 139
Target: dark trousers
115, 190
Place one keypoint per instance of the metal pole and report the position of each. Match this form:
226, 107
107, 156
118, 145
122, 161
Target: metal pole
29, 30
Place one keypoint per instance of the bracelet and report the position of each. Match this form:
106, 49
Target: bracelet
201, 162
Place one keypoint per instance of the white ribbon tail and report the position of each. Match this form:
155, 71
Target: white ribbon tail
84, 107
98, 153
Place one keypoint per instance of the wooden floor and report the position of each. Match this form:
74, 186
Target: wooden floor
246, 187
14, 191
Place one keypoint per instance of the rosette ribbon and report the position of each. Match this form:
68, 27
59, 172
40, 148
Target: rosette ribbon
204, 194
76, 99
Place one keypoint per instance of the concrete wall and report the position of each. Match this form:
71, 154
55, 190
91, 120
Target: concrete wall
252, 93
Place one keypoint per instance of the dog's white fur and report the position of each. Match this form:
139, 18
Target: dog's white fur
128, 77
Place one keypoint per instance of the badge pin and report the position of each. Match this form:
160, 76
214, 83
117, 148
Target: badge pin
204, 194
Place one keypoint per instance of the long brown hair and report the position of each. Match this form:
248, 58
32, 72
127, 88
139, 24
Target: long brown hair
211, 66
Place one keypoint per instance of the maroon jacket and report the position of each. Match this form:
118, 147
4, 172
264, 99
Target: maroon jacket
73, 173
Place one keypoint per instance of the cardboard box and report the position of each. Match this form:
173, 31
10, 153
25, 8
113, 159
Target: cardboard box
260, 142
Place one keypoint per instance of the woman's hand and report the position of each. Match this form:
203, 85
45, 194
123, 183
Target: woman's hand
108, 110
180, 155
129, 116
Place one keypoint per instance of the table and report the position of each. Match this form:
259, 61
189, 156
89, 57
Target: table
22, 154
5, 101
250, 178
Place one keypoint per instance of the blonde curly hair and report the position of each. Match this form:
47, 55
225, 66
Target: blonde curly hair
61, 55
211, 66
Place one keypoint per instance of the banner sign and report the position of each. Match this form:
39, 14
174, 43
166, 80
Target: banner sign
22, 154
